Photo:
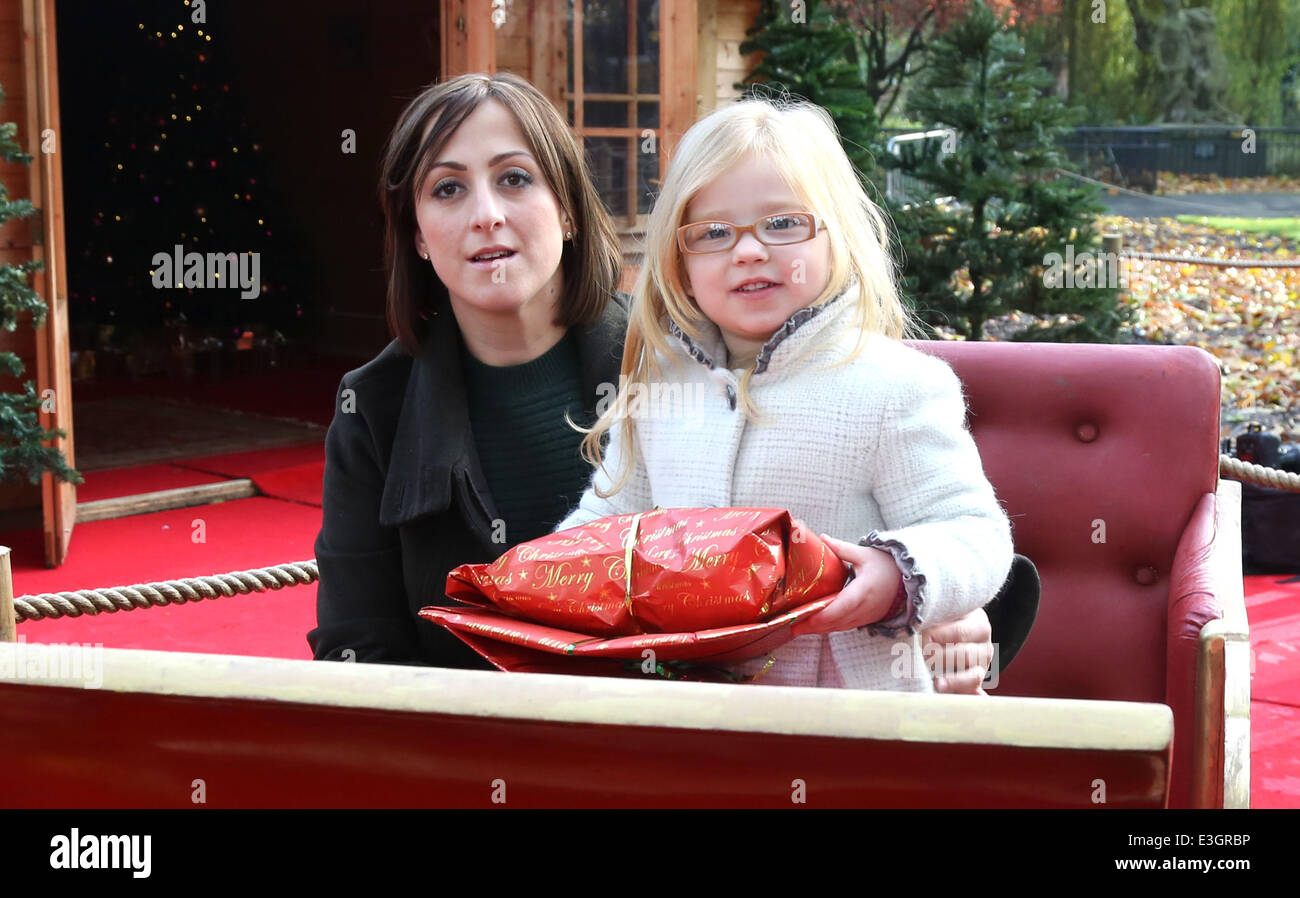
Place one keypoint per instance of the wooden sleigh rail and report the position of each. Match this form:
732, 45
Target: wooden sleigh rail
262, 732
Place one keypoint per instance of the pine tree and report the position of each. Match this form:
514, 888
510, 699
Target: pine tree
175, 161
985, 255
810, 53
22, 452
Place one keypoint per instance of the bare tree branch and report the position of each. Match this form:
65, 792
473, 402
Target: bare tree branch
1142, 29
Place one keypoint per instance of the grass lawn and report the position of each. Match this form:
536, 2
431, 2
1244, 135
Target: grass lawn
1282, 227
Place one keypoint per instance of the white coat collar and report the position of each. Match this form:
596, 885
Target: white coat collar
711, 351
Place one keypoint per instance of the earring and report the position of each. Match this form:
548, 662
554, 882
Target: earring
568, 235
424, 256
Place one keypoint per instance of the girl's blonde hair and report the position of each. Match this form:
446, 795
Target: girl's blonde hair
800, 139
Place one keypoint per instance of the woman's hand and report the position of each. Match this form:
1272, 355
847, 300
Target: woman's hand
967, 652
864, 600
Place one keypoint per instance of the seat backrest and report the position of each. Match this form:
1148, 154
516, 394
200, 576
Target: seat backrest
1099, 454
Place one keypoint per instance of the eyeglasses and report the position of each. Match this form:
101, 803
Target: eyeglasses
781, 229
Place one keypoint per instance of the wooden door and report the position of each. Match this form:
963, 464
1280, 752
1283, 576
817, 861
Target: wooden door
53, 372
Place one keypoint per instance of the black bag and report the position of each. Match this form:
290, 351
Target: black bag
1270, 530
1270, 518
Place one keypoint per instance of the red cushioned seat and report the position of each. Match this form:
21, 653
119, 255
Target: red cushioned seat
1106, 460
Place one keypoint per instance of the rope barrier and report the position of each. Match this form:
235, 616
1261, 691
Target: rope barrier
1220, 263
168, 592
1241, 470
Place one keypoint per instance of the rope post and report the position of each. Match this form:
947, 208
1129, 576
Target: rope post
8, 625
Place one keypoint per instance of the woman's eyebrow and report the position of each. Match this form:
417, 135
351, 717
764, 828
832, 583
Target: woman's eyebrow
460, 166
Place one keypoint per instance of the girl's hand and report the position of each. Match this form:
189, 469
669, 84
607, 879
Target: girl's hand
967, 653
864, 600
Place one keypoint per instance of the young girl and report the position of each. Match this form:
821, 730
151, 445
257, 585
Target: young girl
768, 290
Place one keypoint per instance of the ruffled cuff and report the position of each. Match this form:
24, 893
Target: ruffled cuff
913, 581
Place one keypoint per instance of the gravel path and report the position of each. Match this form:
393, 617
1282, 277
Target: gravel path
1232, 205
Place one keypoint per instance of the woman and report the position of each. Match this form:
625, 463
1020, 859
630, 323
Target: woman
451, 445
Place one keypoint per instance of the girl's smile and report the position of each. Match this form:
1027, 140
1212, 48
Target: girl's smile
756, 288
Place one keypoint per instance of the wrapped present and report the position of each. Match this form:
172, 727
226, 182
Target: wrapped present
688, 584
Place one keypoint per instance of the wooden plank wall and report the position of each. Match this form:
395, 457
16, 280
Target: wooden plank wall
514, 42
734, 18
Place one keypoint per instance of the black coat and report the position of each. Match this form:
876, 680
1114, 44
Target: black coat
405, 502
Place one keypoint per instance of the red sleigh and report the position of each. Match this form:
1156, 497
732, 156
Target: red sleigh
1133, 689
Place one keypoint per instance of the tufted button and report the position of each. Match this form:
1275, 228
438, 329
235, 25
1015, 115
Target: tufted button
1086, 432
731, 396
1145, 575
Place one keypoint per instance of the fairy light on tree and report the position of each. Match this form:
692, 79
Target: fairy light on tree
178, 163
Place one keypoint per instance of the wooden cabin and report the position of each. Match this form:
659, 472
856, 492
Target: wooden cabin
630, 75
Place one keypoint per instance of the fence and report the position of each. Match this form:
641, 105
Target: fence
904, 188
1229, 152
1134, 155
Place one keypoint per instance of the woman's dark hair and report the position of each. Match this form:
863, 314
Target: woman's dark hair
591, 262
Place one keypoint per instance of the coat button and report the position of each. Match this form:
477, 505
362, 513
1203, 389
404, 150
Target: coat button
1145, 575
731, 396
1086, 432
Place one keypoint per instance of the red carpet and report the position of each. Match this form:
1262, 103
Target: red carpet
293, 473
140, 479
301, 483
249, 533
262, 461
1273, 608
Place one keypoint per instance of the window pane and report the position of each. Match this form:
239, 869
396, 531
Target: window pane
647, 115
609, 168
647, 46
604, 115
604, 46
625, 169
647, 187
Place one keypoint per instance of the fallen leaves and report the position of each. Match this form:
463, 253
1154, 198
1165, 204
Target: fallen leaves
1246, 316
1171, 183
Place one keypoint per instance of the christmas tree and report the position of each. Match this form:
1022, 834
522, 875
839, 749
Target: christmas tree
810, 53
1015, 227
22, 438
174, 163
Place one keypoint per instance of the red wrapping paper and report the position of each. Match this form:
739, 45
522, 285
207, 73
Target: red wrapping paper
707, 584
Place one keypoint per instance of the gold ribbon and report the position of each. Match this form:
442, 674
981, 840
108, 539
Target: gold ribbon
771, 660
821, 567
628, 546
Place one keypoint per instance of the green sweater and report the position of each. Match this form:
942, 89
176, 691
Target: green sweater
529, 454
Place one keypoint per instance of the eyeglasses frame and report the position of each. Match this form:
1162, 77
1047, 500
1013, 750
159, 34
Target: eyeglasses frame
752, 227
